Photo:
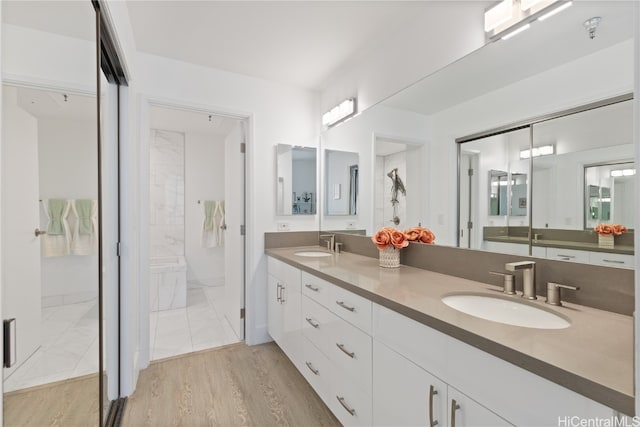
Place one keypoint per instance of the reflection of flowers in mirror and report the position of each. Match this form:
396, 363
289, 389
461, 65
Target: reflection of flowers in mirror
610, 229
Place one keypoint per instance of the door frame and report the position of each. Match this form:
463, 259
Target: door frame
145, 104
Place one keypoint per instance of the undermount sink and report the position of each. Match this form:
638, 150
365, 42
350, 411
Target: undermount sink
505, 310
312, 253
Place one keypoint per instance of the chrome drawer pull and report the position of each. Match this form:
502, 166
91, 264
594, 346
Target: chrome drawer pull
278, 294
566, 256
345, 351
454, 408
615, 261
312, 323
346, 307
312, 369
432, 392
313, 288
345, 406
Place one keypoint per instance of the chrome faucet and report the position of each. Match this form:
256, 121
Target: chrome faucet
330, 239
553, 292
528, 276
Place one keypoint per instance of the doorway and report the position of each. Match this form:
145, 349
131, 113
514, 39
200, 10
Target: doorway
196, 224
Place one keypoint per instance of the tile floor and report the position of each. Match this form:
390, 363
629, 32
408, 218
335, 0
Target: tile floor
69, 347
199, 326
70, 337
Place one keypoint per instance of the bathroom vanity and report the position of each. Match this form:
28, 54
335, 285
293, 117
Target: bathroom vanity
380, 347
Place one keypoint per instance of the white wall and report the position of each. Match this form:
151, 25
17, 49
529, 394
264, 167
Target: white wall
204, 180
67, 156
408, 55
279, 114
606, 73
338, 179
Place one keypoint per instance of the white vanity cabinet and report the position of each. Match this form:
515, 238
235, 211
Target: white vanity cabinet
489, 390
284, 305
608, 259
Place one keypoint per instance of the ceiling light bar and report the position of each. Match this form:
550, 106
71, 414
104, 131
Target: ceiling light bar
545, 150
340, 112
559, 9
530, 4
622, 172
516, 32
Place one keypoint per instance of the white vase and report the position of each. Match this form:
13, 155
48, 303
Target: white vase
390, 257
606, 241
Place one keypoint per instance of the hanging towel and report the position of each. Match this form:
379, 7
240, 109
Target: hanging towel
208, 224
58, 238
84, 234
83, 211
219, 222
56, 211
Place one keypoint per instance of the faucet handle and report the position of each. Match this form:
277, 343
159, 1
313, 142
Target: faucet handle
553, 292
509, 284
338, 247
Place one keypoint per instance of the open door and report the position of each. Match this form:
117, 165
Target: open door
235, 228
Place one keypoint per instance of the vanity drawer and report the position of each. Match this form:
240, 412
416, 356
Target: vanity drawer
316, 288
349, 403
612, 260
571, 255
350, 351
351, 307
315, 322
316, 368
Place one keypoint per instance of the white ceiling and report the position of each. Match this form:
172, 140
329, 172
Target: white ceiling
53, 105
72, 18
296, 42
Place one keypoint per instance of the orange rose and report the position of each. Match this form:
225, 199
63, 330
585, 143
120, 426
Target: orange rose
399, 239
420, 234
606, 229
382, 238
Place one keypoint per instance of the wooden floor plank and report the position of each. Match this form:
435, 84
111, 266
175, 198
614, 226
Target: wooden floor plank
236, 385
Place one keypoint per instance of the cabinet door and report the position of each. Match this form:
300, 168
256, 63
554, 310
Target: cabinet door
291, 321
274, 308
405, 394
464, 411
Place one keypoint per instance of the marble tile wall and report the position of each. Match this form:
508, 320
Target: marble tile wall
166, 193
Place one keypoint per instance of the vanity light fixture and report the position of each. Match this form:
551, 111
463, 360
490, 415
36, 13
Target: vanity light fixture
623, 172
511, 17
340, 112
544, 150
556, 10
516, 32
498, 15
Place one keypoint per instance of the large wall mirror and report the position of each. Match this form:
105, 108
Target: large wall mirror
502, 83
296, 180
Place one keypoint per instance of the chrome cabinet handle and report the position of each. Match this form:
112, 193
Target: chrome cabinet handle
345, 406
313, 288
346, 307
345, 351
39, 232
454, 408
312, 323
432, 392
614, 261
566, 256
312, 369
278, 297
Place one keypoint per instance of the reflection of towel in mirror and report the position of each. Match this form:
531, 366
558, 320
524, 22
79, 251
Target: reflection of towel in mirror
213, 225
219, 226
208, 225
57, 240
85, 229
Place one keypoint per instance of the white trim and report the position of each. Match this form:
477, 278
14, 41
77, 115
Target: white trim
45, 84
636, 138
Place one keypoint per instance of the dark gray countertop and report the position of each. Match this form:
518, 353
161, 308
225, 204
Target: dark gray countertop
593, 357
563, 244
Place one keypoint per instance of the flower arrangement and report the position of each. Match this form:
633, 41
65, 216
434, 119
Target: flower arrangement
389, 241
610, 229
420, 234
389, 237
